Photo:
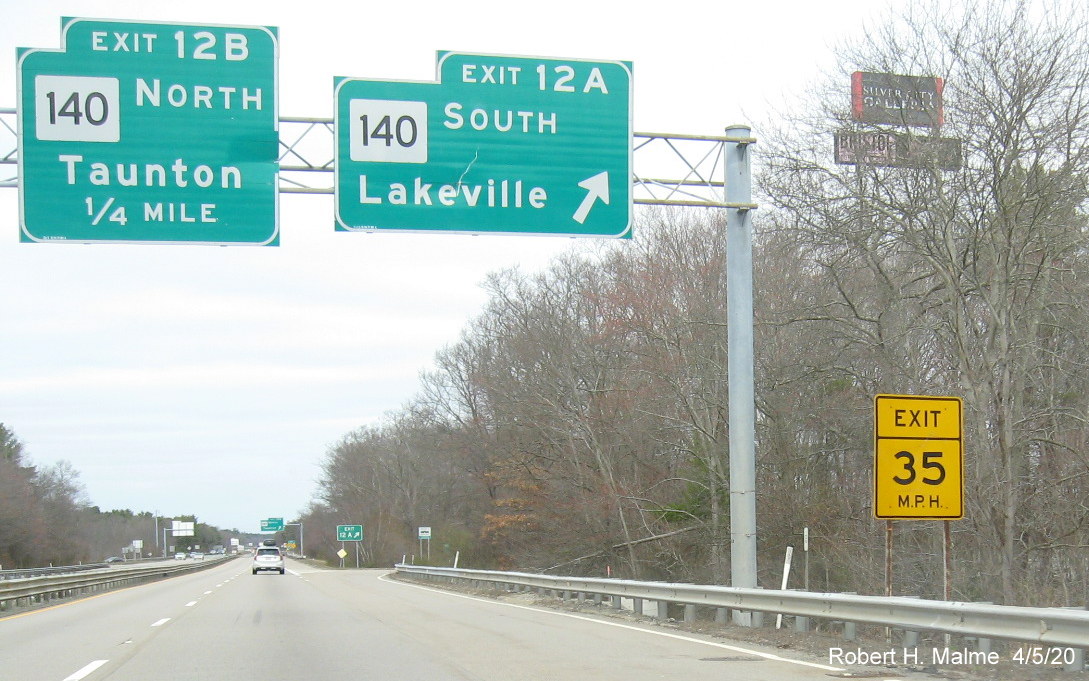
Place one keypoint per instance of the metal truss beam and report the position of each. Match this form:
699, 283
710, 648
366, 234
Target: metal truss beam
669, 169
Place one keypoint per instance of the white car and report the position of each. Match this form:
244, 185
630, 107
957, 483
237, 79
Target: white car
268, 558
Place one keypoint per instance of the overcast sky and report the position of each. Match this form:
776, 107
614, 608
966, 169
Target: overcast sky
211, 381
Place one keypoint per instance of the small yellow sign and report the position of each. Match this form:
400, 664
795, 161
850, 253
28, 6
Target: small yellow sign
918, 457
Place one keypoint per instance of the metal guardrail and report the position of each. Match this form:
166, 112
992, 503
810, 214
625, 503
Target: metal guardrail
43, 572
23, 573
1048, 626
50, 587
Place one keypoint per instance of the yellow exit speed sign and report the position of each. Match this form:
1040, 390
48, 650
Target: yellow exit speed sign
918, 457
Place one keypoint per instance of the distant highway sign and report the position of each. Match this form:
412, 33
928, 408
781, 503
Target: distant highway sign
349, 533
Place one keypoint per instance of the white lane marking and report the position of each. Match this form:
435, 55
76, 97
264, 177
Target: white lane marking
190, 604
736, 649
86, 670
207, 592
161, 622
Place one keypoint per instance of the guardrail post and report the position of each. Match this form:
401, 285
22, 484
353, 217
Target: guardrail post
850, 631
983, 644
597, 599
721, 615
637, 606
801, 624
1078, 663
662, 613
616, 602
911, 638
689, 613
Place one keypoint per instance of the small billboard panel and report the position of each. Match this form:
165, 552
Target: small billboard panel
891, 99
898, 150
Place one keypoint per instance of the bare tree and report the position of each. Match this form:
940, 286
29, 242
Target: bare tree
966, 280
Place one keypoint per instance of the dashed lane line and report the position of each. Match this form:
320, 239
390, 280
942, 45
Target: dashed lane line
86, 670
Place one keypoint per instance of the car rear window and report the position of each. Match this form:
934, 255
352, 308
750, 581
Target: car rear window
268, 552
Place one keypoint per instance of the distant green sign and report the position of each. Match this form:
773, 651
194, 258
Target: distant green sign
500, 144
349, 533
272, 525
150, 133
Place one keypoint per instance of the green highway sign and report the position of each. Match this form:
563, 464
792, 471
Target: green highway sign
499, 144
272, 525
150, 133
349, 533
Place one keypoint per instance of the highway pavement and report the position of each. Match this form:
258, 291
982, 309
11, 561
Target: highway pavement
224, 624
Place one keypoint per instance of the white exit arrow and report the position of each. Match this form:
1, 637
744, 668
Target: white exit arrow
597, 187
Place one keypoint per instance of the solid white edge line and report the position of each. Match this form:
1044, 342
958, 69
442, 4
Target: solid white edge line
161, 622
736, 649
86, 670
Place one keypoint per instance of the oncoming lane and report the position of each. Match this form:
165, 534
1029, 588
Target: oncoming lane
79, 639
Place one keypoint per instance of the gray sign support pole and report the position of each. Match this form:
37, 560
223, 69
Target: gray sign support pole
302, 545
738, 176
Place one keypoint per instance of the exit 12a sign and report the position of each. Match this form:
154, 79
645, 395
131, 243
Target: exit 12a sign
349, 533
499, 144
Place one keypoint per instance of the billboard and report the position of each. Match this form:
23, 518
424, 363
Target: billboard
891, 99
898, 150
